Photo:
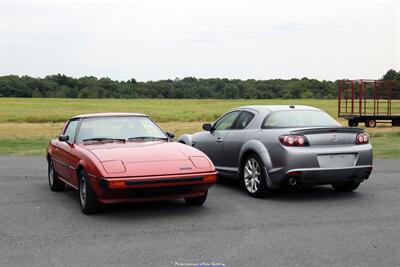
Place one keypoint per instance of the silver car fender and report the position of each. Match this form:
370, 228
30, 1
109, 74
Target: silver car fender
185, 139
260, 149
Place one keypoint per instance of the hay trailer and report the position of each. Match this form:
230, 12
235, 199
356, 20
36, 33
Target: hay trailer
369, 101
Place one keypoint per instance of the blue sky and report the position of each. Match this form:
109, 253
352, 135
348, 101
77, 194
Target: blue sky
152, 40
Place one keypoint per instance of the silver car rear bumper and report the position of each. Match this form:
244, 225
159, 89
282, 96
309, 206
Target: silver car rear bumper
329, 176
303, 164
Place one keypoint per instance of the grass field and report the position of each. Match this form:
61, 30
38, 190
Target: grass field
26, 125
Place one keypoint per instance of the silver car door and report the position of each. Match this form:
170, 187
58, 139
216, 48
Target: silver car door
211, 142
233, 142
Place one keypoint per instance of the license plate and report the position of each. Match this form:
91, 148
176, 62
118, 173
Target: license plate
336, 160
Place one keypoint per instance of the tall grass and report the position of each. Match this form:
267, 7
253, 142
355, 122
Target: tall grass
35, 110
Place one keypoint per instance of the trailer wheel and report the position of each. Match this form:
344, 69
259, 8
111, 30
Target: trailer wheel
395, 122
352, 123
370, 123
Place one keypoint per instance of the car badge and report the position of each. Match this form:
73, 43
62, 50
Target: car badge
334, 138
185, 168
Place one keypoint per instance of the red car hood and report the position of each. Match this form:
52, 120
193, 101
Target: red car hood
149, 158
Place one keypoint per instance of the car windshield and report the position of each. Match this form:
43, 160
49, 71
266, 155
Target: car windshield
299, 118
119, 129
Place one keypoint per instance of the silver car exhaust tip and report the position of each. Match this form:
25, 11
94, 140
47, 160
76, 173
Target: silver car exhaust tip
292, 181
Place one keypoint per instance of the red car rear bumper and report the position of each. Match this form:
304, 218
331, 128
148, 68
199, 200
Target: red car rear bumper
144, 189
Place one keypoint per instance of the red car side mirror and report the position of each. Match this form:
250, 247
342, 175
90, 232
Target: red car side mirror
63, 138
170, 135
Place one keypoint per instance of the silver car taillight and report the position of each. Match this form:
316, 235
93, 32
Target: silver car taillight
294, 140
362, 138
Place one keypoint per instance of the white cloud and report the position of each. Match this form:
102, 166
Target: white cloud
151, 40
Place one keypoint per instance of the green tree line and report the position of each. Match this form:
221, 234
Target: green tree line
62, 86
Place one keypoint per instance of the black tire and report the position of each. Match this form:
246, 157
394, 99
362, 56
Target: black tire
352, 123
196, 201
55, 184
87, 197
346, 187
255, 189
370, 123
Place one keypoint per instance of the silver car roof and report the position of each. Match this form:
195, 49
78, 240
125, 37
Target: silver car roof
271, 108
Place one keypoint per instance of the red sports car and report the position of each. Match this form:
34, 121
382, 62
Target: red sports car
126, 157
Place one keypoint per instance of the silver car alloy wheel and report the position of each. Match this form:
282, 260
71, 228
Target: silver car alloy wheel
252, 175
51, 174
83, 191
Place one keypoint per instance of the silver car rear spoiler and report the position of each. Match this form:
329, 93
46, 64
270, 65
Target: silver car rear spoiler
327, 130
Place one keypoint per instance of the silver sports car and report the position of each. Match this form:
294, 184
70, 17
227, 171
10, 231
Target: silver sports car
270, 146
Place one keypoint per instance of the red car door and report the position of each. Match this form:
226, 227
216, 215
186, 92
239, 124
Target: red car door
64, 159
67, 156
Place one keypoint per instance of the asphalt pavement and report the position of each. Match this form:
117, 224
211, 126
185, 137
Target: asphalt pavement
313, 226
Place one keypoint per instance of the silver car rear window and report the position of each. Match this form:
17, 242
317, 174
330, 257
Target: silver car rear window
298, 118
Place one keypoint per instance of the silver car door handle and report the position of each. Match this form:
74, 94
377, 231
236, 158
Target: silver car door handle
219, 140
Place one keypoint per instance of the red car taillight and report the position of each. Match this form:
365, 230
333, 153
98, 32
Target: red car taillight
362, 138
294, 140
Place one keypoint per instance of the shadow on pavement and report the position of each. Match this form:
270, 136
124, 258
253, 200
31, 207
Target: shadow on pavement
176, 207
179, 208
297, 193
